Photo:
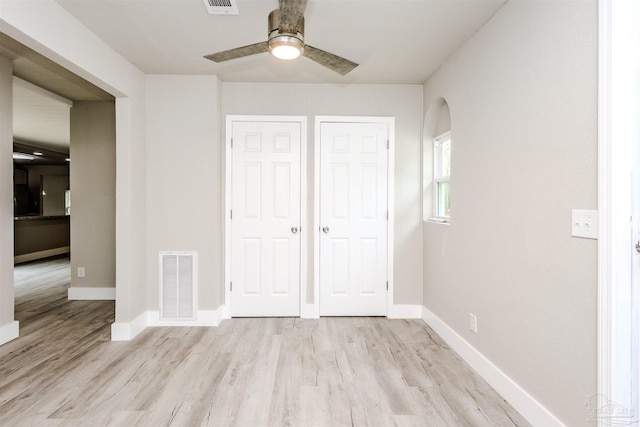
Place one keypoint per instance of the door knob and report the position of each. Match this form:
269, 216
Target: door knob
294, 230
325, 229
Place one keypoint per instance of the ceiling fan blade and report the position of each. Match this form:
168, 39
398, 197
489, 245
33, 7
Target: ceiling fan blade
239, 52
336, 63
291, 13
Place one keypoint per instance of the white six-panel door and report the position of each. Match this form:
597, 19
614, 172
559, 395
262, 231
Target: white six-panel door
266, 219
353, 219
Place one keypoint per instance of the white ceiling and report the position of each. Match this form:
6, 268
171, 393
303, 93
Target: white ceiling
394, 41
40, 118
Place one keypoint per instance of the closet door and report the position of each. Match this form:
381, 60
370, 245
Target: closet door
265, 224
353, 219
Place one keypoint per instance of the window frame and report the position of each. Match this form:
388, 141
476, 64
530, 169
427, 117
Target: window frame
439, 178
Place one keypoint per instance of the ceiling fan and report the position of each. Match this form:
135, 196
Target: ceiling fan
286, 40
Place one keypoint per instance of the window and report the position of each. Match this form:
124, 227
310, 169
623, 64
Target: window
436, 163
67, 202
441, 173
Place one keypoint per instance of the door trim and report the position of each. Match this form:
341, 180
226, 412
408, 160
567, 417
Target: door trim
618, 169
314, 309
305, 229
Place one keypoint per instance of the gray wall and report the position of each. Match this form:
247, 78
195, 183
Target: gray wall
402, 102
523, 100
35, 173
184, 197
131, 213
54, 189
6, 192
92, 174
186, 154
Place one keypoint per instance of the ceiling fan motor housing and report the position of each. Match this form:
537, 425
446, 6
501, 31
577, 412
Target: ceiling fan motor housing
277, 38
286, 41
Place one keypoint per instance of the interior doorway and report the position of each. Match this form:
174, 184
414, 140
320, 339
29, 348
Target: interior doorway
265, 215
353, 213
62, 88
354, 216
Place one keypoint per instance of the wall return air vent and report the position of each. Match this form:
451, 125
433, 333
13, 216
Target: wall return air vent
222, 7
178, 285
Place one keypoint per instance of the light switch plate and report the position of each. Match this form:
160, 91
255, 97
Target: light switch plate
473, 323
584, 223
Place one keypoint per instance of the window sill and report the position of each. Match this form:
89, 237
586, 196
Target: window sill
443, 221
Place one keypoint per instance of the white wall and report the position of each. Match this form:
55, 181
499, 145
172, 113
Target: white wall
44, 26
8, 328
184, 198
523, 100
93, 185
402, 102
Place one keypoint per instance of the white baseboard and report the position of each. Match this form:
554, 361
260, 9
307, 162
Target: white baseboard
126, 331
41, 254
88, 293
522, 401
405, 311
123, 331
226, 311
9, 332
308, 311
203, 318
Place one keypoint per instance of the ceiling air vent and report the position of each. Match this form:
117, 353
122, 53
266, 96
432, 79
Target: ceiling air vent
222, 7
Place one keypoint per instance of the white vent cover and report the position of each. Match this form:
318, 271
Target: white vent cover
178, 285
221, 7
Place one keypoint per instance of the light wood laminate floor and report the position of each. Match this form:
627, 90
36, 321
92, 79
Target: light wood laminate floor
65, 371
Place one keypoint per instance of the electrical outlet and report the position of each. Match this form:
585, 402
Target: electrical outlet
473, 323
80, 271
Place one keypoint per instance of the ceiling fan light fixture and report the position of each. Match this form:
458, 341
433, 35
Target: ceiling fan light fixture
286, 47
286, 40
